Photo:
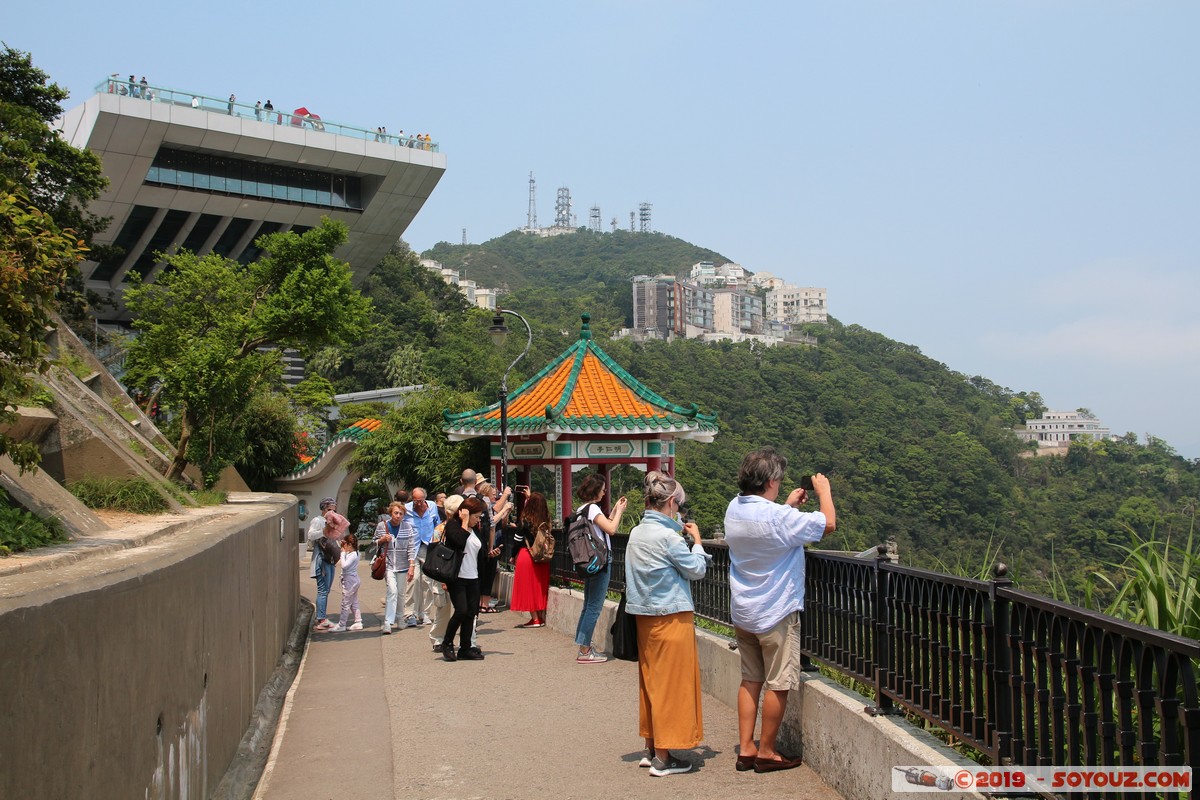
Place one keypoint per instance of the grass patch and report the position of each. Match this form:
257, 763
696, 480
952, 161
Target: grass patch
209, 497
21, 530
121, 406
75, 364
135, 495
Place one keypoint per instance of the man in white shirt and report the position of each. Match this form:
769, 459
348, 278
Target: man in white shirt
766, 578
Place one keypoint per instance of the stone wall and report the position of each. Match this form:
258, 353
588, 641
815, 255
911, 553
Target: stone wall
134, 673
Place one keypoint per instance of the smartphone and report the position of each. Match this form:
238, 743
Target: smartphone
806, 483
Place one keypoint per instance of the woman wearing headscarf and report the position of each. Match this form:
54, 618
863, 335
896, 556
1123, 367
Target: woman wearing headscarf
663, 557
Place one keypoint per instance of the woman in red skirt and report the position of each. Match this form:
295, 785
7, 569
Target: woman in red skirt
531, 579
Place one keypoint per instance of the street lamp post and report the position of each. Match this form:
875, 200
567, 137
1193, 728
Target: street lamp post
499, 333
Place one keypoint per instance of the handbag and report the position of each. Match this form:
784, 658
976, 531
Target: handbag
379, 565
542, 547
624, 633
441, 563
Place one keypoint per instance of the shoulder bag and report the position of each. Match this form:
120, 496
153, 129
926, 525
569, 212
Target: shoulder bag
379, 565
624, 633
441, 563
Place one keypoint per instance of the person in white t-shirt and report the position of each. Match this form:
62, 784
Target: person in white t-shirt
595, 587
766, 582
460, 536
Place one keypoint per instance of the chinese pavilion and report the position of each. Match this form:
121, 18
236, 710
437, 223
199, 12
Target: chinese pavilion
583, 410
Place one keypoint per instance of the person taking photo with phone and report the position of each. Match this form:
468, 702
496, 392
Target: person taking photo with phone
766, 543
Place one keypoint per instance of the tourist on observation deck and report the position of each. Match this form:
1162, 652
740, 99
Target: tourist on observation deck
531, 579
320, 569
595, 587
766, 543
397, 534
663, 557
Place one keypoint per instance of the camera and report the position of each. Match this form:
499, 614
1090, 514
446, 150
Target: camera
806, 483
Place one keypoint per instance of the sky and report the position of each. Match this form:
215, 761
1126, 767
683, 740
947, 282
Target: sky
1012, 187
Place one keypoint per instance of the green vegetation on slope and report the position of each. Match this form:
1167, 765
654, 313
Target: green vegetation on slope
915, 450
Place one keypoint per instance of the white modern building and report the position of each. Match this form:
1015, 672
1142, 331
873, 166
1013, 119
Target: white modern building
1060, 428
796, 305
481, 296
210, 175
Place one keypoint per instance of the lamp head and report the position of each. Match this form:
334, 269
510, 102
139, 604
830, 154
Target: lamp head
498, 331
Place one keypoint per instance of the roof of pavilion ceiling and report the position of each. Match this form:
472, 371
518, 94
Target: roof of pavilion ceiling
584, 392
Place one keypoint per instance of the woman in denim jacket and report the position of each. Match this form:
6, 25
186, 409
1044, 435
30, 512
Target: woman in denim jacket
663, 556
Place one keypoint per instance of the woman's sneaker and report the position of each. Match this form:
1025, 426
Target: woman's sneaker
357, 626
339, 628
591, 657
672, 766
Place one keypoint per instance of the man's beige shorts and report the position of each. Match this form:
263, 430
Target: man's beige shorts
772, 657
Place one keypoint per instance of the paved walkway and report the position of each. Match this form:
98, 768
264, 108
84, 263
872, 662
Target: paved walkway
373, 716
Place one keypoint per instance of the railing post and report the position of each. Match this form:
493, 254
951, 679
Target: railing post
1000, 717
881, 644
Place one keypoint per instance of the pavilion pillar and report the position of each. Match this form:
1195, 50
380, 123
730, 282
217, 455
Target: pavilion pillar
565, 506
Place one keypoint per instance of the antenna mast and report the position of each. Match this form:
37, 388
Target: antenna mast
644, 217
562, 208
531, 222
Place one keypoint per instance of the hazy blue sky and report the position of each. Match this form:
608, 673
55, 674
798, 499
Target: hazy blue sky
1012, 187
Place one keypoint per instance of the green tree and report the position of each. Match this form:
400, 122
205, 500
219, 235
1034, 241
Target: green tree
410, 447
58, 179
205, 324
35, 258
266, 441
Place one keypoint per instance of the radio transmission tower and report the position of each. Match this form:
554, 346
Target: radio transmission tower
614, 224
531, 222
631, 228
562, 208
644, 217
594, 218
464, 237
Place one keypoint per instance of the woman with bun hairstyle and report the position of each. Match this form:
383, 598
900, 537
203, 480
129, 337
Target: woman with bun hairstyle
663, 557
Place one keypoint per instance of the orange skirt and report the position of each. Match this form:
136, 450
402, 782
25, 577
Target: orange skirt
669, 707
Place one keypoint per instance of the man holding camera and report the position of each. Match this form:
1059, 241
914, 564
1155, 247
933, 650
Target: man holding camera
766, 543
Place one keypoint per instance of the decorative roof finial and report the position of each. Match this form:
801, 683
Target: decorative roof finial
585, 332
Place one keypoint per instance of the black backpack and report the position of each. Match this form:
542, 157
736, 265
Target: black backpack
330, 552
589, 553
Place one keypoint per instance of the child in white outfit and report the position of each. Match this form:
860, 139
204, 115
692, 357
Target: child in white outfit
350, 584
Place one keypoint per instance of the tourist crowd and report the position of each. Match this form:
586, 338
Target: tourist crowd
477, 524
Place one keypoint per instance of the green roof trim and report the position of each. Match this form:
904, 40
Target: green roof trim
680, 417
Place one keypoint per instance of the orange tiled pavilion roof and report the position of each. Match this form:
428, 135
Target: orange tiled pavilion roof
584, 391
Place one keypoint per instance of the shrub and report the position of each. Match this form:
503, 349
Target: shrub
136, 495
21, 530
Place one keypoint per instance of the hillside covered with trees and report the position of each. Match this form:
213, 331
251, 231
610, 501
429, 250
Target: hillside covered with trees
915, 450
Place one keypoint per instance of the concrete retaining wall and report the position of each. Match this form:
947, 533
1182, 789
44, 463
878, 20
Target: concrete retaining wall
135, 673
825, 723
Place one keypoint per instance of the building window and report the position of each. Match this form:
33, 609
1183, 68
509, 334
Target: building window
236, 176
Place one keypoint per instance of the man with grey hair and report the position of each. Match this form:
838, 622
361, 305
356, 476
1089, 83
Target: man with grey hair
418, 594
766, 543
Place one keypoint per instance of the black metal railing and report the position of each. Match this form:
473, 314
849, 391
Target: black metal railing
1023, 679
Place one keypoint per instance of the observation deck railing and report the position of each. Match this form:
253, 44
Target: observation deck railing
274, 116
1025, 680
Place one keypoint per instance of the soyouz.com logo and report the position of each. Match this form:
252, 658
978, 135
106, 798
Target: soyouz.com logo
1063, 780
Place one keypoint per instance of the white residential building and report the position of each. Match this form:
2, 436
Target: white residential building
1059, 428
795, 305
